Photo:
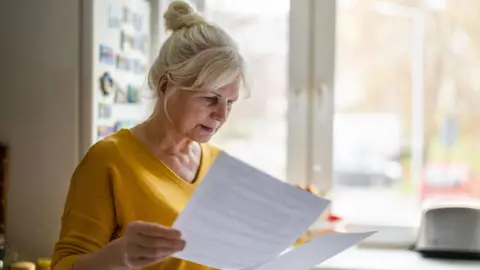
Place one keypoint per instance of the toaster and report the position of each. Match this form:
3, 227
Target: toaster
450, 229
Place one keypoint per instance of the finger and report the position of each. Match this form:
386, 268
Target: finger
141, 262
157, 242
144, 252
157, 230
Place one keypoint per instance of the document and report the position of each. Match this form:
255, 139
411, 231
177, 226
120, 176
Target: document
241, 218
314, 252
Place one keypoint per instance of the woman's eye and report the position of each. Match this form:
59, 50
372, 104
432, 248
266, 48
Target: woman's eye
211, 100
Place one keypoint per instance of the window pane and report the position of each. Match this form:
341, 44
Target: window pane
257, 129
405, 115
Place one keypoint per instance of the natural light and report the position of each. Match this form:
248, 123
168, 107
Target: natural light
403, 110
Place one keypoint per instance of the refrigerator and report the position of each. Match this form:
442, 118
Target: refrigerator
116, 48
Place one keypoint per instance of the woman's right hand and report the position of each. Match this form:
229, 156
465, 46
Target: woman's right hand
146, 244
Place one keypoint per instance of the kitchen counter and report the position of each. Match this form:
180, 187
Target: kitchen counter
379, 259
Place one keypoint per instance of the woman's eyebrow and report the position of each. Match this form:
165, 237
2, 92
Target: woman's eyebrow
216, 94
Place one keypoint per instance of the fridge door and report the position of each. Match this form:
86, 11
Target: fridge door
115, 62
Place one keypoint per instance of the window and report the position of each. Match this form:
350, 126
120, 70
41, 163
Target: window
404, 113
375, 102
257, 129
377, 120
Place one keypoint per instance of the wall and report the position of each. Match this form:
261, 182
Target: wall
39, 71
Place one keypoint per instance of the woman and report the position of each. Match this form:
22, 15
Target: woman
129, 188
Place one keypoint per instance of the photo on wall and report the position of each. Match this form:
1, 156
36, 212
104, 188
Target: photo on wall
123, 63
115, 16
104, 111
106, 54
105, 130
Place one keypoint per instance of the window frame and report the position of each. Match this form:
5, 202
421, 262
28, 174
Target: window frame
311, 85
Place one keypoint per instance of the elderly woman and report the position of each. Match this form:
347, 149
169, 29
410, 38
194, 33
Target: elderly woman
129, 188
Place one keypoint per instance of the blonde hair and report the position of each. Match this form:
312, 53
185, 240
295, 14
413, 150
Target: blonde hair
197, 54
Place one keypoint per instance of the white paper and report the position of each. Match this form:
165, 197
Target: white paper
240, 217
314, 252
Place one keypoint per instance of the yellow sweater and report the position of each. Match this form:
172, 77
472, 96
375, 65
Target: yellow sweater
120, 181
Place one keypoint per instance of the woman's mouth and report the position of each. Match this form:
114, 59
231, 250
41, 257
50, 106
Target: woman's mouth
207, 128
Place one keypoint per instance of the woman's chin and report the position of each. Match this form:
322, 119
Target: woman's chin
202, 135
202, 138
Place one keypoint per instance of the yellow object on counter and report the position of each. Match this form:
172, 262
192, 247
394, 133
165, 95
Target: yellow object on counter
44, 264
22, 266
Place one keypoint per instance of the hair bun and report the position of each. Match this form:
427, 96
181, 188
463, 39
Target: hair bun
181, 15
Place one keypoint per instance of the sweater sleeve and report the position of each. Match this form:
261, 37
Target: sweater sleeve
88, 219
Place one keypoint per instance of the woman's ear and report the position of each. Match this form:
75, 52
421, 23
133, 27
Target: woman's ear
162, 86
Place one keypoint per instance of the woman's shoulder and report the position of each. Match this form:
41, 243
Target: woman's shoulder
109, 146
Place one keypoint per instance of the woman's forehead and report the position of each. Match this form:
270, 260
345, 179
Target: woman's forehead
228, 91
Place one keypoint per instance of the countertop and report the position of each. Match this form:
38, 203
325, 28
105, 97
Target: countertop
389, 259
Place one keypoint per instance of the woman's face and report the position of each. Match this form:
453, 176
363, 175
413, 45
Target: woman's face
199, 114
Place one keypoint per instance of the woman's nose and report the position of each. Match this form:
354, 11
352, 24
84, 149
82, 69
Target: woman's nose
221, 112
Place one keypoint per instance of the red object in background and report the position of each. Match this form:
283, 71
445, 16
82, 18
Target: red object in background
333, 218
447, 180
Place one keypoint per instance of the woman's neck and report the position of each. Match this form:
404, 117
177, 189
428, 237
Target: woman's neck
161, 136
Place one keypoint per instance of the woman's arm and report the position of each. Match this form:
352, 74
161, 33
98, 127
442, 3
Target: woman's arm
89, 218
105, 258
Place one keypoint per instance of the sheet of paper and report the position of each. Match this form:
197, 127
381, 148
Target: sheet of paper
241, 217
314, 252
